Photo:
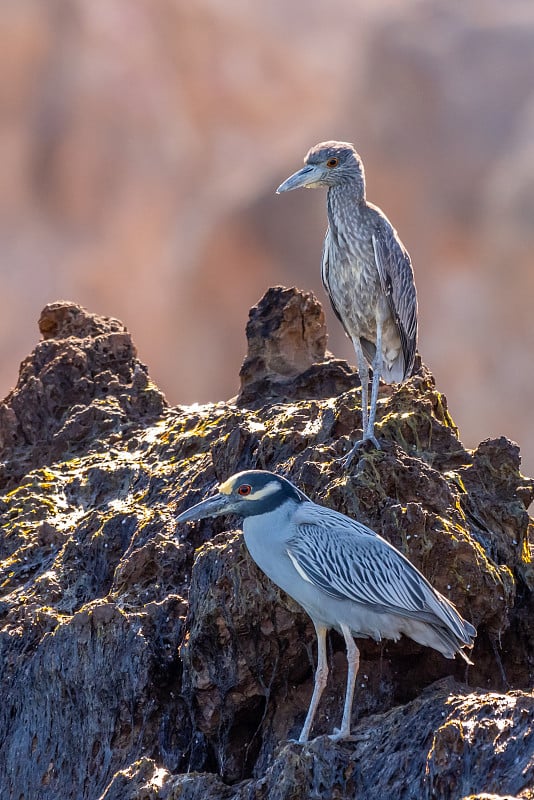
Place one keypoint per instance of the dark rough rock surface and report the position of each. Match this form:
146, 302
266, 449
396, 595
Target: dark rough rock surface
81, 384
287, 358
141, 661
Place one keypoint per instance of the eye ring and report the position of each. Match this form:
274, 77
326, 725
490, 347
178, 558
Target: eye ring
244, 490
332, 162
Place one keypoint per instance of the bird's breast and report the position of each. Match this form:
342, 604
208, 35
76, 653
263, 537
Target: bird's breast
266, 540
353, 284
351, 278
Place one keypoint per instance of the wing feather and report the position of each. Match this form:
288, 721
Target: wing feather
397, 281
347, 560
325, 271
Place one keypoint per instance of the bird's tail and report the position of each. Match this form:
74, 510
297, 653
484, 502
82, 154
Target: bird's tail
455, 631
396, 371
392, 371
454, 644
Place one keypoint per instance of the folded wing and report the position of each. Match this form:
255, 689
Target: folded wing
349, 561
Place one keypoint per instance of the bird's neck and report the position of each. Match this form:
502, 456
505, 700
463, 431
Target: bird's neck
343, 201
351, 191
271, 522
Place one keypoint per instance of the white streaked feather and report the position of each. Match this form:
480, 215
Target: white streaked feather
347, 560
297, 566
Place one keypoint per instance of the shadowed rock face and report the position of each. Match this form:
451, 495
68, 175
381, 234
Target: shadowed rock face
140, 660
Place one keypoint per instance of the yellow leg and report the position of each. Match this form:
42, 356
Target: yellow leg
353, 661
321, 676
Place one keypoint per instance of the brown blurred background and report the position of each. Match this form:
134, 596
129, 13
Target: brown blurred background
142, 141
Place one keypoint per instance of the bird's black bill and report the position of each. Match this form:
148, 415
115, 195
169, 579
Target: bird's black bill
212, 507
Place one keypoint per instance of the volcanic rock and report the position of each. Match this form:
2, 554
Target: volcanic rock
141, 660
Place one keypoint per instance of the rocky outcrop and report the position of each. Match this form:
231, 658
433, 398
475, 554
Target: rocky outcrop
82, 382
141, 660
419, 750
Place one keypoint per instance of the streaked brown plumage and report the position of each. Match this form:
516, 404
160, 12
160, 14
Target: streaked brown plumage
366, 271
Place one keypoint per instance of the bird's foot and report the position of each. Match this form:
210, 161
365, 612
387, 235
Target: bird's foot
374, 441
303, 738
339, 734
346, 460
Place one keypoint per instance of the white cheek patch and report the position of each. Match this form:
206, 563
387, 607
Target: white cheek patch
268, 489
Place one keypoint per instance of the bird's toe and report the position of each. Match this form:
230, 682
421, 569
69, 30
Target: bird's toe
346, 460
374, 441
339, 734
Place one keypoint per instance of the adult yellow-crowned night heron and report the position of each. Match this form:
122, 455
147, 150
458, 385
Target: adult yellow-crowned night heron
341, 572
366, 271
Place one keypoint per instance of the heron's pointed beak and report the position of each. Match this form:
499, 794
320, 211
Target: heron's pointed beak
211, 507
306, 178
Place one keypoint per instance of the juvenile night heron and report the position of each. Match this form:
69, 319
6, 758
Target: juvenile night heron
366, 271
341, 572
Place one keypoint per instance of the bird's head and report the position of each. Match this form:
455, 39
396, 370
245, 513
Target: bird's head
246, 494
328, 164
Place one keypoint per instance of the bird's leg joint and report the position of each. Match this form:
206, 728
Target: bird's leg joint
321, 676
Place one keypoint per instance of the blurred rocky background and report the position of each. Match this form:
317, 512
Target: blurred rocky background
141, 144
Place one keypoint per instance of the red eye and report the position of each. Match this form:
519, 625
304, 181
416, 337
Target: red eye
244, 489
332, 162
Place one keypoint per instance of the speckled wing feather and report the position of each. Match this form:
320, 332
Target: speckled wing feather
347, 560
397, 281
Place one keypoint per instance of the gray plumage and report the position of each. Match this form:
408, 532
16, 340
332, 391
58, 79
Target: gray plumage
366, 272
342, 573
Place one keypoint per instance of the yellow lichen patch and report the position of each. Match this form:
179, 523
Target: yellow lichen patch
527, 548
441, 412
455, 478
394, 422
